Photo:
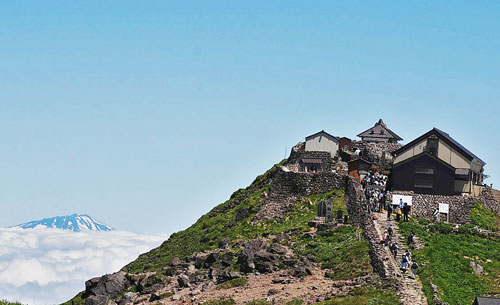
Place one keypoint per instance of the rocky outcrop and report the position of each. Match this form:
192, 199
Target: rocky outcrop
110, 285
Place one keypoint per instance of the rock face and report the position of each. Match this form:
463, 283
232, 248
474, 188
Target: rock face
110, 285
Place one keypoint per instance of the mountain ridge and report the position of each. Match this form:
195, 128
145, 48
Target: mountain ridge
74, 222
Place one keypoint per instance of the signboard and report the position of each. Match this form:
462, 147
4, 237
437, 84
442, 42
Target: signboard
396, 198
444, 208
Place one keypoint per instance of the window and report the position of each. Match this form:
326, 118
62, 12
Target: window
382, 132
432, 145
424, 170
425, 184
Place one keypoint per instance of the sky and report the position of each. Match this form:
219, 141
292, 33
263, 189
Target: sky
145, 115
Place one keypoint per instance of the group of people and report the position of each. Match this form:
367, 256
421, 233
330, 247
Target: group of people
406, 258
374, 186
402, 209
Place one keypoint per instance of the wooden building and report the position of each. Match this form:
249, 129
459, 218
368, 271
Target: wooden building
359, 168
312, 165
322, 141
435, 163
345, 144
379, 133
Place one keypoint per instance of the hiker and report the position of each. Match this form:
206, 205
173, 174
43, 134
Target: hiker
406, 211
388, 239
384, 236
411, 237
389, 230
395, 250
404, 263
391, 247
398, 214
408, 255
414, 268
389, 211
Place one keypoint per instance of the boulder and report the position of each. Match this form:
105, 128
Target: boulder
183, 281
478, 269
227, 275
227, 259
278, 249
247, 255
111, 285
154, 297
128, 298
97, 300
92, 283
199, 261
176, 262
211, 259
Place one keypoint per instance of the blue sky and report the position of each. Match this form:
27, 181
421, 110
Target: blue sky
145, 115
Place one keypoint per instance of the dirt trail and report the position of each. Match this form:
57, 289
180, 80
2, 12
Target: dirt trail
410, 289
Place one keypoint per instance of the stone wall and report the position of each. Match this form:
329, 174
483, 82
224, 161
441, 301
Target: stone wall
373, 152
490, 198
298, 153
357, 207
424, 206
292, 185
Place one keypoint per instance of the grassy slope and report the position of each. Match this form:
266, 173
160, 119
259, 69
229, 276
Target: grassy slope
446, 256
342, 252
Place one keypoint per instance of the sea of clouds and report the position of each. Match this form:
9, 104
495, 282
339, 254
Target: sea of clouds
49, 266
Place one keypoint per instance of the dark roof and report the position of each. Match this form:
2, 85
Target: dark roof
381, 123
486, 301
322, 132
446, 137
420, 155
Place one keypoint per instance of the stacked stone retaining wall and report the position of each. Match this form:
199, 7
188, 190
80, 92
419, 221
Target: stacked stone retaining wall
357, 207
425, 206
292, 185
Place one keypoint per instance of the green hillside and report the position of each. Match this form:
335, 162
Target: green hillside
341, 252
448, 252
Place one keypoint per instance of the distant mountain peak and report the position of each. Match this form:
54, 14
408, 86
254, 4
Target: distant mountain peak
74, 222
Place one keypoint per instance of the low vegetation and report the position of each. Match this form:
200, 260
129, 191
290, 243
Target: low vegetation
445, 260
238, 282
366, 296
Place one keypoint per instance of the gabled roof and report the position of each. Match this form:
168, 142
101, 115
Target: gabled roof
423, 154
361, 160
446, 138
326, 134
486, 301
390, 134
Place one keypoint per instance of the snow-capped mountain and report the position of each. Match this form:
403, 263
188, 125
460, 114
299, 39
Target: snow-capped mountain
75, 222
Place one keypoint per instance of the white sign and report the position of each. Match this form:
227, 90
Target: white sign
396, 199
444, 208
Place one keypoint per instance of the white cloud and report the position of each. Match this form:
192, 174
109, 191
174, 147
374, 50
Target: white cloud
49, 266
